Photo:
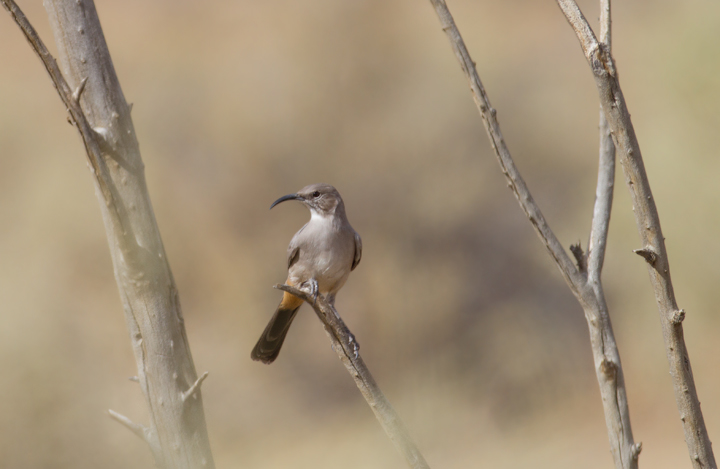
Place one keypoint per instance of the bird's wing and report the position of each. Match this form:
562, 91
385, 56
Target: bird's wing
293, 255
293, 251
358, 252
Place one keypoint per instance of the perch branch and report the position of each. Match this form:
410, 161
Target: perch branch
588, 291
648, 223
347, 348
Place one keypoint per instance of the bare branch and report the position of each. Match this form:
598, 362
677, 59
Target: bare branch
617, 417
603, 202
589, 293
78, 118
177, 432
347, 348
606, 172
515, 181
606, 23
648, 223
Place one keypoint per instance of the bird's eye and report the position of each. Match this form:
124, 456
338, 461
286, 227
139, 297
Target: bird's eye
316, 194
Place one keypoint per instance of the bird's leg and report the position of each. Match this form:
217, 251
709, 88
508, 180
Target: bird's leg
311, 287
330, 298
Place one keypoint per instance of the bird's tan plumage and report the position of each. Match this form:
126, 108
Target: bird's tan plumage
321, 255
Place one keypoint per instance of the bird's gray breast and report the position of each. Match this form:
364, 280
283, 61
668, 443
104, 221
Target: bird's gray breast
325, 253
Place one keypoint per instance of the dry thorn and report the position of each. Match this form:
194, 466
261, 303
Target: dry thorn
648, 254
138, 429
195, 387
79, 90
637, 448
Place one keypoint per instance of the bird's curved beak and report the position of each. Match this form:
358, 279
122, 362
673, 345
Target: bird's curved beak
286, 197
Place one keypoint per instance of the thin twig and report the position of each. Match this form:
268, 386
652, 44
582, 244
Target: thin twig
606, 173
603, 202
347, 348
515, 181
79, 119
606, 23
588, 290
648, 222
623, 447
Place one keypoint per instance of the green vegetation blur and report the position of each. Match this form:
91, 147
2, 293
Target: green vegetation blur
461, 315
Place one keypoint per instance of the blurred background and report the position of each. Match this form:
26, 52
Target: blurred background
462, 317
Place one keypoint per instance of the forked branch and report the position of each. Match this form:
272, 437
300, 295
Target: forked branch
584, 280
348, 351
176, 432
648, 223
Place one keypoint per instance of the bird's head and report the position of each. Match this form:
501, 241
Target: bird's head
321, 199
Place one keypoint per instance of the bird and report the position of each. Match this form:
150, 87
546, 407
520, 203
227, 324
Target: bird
320, 258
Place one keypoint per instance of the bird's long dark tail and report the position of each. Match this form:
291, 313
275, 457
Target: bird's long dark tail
268, 346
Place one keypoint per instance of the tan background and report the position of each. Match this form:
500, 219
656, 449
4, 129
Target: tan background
461, 315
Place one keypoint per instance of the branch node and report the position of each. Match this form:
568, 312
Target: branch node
636, 448
137, 428
79, 90
134, 379
194, 388
580, 257
677, 317
608, 367
648, 254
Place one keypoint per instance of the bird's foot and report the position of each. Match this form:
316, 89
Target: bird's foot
354, 344
311, 288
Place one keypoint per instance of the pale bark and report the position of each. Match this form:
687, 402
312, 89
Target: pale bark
653, 243
584, 280
348, 350
176, 433
617, 418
